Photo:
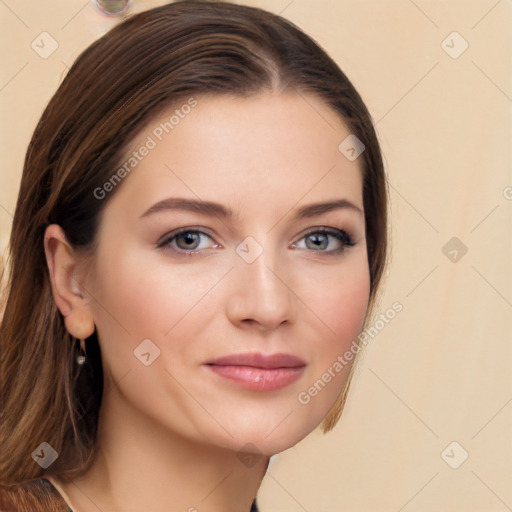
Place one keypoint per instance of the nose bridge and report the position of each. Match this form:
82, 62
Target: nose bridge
260, 293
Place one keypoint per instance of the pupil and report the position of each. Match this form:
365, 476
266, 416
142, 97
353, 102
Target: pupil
189, 238
318, 240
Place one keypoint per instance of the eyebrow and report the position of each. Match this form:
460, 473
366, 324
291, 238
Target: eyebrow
218, 210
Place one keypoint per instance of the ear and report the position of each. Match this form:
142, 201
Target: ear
68, 293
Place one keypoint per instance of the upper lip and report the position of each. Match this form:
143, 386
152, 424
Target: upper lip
258, 360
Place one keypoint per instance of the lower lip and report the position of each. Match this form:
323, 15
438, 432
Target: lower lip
258, 379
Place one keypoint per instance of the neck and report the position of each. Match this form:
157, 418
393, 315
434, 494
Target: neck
143, 466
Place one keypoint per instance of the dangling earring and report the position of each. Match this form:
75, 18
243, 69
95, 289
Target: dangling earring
82, 356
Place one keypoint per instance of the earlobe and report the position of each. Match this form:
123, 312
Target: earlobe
79, 323
62, 264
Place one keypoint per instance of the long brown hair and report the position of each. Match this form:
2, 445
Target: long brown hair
148, 63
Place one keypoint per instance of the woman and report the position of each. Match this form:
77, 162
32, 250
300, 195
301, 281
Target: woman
200, 233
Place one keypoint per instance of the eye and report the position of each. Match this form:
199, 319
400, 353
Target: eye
185, 241
319, 239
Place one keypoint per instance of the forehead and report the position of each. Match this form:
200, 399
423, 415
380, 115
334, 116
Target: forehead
277, 146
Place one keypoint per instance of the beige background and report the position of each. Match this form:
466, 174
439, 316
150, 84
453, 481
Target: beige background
441, 370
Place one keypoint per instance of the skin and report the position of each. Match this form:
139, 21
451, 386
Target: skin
174, 425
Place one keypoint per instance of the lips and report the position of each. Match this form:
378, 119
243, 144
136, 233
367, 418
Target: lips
258, 360
258, 372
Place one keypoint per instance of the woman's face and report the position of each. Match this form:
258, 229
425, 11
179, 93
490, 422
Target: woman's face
191, 304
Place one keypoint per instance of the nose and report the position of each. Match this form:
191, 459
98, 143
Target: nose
259, 295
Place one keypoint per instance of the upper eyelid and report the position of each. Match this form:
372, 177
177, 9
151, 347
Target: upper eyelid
173, 234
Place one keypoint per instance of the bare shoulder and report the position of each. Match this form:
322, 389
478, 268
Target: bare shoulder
34, 496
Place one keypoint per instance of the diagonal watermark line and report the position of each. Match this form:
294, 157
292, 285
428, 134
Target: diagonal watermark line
282, 10
491, 491
3, 2
424, 13
7, 211
493, 287
199, 300
485, 218
485, 15
333, 333
478, 432
86, 496
64, 72
414, 86
199, 403
216, 487
14, 76
422, 281
75, 15
279, 424
286, 491
116, 384
492, 81
415, 209
300, 199
410, 499
403, 403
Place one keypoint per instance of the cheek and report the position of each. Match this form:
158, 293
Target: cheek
342, 308
340, 300
346, 308
143, 295
127, 303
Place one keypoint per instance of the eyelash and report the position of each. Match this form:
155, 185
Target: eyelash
342, 236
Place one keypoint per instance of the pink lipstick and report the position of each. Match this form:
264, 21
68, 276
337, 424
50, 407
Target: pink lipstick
258, 372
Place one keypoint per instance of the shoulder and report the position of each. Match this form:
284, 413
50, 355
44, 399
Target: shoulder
34, 496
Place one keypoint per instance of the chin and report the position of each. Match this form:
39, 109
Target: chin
267, 436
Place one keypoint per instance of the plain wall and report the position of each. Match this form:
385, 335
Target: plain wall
440, 371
